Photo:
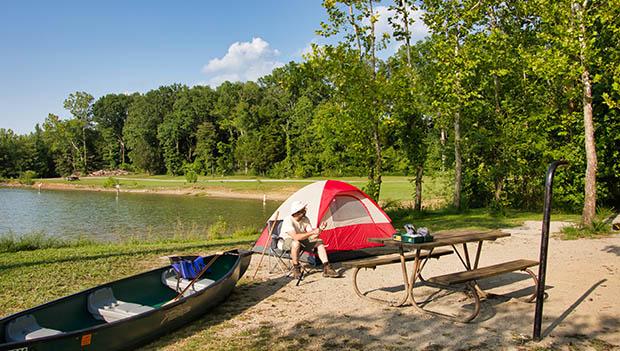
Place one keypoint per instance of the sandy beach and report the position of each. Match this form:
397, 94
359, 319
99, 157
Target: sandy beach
581, 313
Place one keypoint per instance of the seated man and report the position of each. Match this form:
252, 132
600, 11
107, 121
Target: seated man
297, 233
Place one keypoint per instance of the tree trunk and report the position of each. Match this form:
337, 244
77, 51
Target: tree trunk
84, 144
442, 140
377, 167
458, 166
458, 163
356, 29
499, 186
407, 34
589, 205
122, 151
418, 188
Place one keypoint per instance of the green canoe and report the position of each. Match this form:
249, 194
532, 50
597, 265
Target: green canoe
125, 313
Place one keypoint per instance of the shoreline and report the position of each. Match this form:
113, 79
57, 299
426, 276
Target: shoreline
268, 196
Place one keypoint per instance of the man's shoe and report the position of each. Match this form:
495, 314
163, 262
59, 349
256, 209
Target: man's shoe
296, 271
329, 272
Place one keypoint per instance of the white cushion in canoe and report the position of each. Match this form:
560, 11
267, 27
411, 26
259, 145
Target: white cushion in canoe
104, 306
26, 328
169, 278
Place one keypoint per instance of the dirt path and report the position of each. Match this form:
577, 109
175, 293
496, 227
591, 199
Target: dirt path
581, 313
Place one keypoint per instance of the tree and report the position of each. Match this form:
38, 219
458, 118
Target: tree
80, 106
451, 23
110, 114
146, 113
358, 85
64, 137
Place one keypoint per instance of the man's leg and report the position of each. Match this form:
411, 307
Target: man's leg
295, 248
328, 271
320, 249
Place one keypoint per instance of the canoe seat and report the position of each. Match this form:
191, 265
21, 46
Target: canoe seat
169, 278
104, 306
26, 328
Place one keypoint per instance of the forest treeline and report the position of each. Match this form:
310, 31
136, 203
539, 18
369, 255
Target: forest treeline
496, 91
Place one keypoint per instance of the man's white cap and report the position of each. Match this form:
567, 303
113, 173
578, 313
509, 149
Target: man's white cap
297, 206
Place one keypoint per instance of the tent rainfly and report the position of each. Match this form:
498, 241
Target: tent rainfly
351, 216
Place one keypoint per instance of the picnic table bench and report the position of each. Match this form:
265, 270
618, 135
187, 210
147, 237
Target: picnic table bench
468, 278
373, 262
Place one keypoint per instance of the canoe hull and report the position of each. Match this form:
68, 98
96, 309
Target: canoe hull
131, 332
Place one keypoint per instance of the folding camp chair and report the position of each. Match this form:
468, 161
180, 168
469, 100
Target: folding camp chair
281, 257
278, 254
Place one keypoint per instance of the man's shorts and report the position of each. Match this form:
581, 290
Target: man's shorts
306, 244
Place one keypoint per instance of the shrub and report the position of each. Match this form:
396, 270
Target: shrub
191, 172
600, 227
26, 177
218, 229
110, 182
191, 176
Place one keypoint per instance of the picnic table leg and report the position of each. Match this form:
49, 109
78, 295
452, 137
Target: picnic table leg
467, 264
532, 298
414, 275
481, 292
428, 257
419, 305
403, 267
405, 297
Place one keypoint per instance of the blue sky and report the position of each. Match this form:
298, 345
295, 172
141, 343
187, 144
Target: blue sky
50, 49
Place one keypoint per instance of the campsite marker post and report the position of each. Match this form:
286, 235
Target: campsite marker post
544, 246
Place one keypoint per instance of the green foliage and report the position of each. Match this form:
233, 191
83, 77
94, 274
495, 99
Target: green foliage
600, 227
190, 175
219, 229
27, 177
110, 182
110, 113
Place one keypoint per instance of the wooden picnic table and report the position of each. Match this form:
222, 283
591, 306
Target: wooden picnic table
424, 251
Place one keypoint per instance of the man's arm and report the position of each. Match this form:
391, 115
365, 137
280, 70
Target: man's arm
302, 236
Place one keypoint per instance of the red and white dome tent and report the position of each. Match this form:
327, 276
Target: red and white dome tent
351, 216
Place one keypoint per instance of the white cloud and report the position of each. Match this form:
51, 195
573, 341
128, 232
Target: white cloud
244, 61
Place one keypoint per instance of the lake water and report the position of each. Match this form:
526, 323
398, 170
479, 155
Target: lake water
106, 216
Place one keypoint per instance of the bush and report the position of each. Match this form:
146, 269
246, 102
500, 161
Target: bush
110, 183
600, 227
26, 177
191, 176
191, 172
127, 167
218, 229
